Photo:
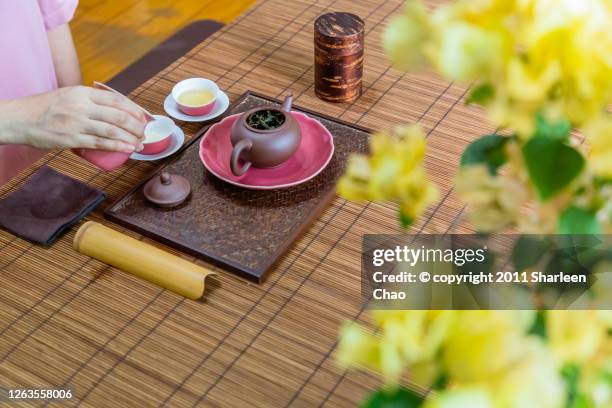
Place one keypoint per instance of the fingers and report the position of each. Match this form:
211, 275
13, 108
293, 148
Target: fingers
51, 140
119, 119
107, 98
108, 131
101, 143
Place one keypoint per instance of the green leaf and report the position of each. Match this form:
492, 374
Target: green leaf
559, 130
405, 220
552, 165
539, 325
528, 251
400, 398
576, 220
575, 397
481, 94
488, 150
441, 382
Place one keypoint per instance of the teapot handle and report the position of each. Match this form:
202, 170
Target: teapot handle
238, 149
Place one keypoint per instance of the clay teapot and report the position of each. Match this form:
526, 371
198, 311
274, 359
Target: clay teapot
264, 137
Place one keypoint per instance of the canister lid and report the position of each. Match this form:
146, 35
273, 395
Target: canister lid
167, 190
339, 25
339, 33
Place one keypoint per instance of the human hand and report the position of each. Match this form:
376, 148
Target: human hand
74, 117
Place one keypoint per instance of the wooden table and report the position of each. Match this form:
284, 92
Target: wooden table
69, 321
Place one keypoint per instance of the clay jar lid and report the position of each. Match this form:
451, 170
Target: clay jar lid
167, 190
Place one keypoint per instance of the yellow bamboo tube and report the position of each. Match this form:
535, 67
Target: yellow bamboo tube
142, 260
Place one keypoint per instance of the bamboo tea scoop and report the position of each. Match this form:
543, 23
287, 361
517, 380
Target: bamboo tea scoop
100, 85
142, 260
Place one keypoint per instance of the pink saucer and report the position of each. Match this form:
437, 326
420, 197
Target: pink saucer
313, 155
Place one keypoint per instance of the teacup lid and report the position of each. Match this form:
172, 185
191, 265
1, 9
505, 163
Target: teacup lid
167, 190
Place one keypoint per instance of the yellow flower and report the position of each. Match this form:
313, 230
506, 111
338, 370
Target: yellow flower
357, 347
528, 83
467, 52
418, 334
460, 398
575, 335
416, 194
599, 295
604, 215
354, 184
393, 171
532, 381
404, 37
494, 201
551, 56
599, 136
484, 344
596, 376
405, 339
605, 316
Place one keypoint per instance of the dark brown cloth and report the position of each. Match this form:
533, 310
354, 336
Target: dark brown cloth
47, 205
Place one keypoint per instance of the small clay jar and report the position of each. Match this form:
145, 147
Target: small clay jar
339, 50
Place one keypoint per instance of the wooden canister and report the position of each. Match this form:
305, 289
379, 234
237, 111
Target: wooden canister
339, 46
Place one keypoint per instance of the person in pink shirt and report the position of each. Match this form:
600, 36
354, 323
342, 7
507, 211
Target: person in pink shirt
42, 105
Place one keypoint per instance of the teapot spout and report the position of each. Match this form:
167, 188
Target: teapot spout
287, 103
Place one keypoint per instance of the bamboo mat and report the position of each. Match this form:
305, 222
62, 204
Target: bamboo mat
67, 321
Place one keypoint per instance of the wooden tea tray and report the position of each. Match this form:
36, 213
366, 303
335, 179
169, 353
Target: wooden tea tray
245, 231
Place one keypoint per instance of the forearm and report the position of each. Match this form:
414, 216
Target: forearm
65, 59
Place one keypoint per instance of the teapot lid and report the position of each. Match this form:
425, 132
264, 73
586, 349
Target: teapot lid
167, 190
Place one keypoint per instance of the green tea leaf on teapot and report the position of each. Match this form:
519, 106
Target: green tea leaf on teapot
266, 119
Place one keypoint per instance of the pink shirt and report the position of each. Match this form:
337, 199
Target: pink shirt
26, 66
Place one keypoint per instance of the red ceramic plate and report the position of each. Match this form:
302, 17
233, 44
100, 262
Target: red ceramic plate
313, 155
